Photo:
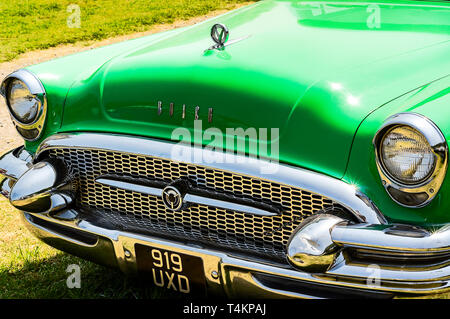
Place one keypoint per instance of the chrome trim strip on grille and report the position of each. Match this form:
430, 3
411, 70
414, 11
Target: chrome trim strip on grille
188, 198
345, 194
131, 187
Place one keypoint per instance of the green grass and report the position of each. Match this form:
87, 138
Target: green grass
27, 25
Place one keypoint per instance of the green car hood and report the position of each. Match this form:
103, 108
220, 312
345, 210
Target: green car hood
313, 70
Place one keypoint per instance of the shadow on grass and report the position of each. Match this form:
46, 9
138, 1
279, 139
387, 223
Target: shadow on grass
46, 278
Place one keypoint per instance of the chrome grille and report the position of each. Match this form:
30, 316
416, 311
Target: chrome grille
267, 235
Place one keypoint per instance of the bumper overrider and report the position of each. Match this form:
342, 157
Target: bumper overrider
327, 255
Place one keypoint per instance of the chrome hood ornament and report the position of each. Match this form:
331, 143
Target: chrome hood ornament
220, 35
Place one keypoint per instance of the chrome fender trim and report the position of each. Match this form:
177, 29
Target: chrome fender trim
15, 163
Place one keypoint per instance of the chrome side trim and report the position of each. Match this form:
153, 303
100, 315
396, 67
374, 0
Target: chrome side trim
387, 239
346, 195
438, 143
438, 276
188, 198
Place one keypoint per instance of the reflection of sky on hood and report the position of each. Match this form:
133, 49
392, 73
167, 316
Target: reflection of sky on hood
392, 16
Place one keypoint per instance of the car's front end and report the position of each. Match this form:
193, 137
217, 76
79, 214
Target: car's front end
349, 201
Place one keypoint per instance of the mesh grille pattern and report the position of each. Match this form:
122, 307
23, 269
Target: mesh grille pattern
266, 235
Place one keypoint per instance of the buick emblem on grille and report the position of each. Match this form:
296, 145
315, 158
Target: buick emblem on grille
172, 198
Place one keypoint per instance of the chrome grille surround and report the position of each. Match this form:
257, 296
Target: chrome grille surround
267, 235
91, 155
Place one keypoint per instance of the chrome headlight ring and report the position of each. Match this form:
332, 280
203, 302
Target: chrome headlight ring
423, 192
29, 131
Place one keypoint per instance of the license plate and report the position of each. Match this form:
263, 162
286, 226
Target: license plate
170, 270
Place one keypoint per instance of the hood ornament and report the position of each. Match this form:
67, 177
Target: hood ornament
220, 35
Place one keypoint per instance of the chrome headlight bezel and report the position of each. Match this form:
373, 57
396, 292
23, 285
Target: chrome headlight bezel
29, 131
420, 194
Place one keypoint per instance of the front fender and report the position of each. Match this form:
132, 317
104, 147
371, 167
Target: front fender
432, 101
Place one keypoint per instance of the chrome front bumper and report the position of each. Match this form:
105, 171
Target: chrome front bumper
372, 260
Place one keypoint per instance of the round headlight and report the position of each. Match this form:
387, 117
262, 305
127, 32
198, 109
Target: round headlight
23, 104
412, 158
27, 103
407, 156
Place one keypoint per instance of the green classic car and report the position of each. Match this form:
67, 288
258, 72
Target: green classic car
284, 149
